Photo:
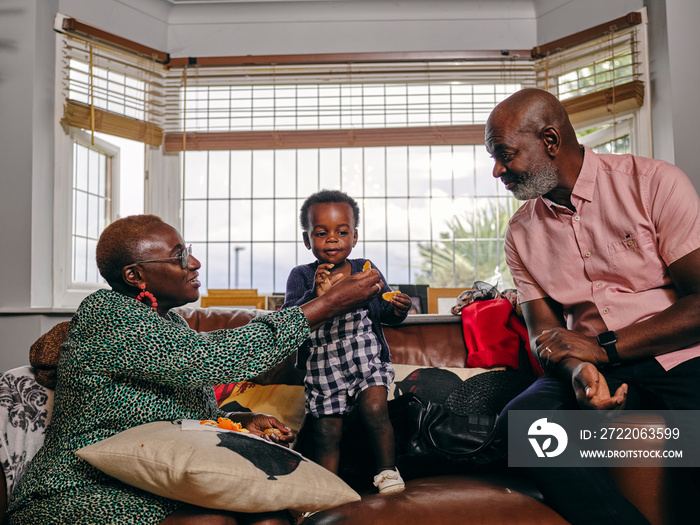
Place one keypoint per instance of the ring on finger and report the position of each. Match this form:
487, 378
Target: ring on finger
548, 350
379, 286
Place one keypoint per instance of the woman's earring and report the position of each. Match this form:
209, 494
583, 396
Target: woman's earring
148, 295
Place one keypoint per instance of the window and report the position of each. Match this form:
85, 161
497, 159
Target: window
228, 152
107, 182
92, 206
90, 193
109, 109
404, 139
418, 204
600, 75
609, 138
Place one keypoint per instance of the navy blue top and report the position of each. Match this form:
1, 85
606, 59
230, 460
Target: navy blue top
301, 288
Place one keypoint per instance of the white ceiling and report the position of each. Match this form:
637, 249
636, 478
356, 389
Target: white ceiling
179, 2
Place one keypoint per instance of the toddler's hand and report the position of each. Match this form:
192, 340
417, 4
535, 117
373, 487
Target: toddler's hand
402, 303
323, 278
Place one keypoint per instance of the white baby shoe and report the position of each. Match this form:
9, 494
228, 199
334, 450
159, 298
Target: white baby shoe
388, 481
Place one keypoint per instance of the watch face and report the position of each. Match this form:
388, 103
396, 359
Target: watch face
607, 338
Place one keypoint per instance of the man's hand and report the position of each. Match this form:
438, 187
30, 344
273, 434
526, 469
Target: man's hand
323, 279
592, 391
555, 345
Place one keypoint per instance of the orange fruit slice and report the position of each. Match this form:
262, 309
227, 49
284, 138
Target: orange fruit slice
387, 296
227, 424
367, 266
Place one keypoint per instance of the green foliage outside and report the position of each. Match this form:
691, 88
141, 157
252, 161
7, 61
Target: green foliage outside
471, 249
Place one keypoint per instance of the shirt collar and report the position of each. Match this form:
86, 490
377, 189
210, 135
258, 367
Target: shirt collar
553, 207
585, 183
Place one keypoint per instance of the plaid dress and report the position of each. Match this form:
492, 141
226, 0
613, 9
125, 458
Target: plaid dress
344, 360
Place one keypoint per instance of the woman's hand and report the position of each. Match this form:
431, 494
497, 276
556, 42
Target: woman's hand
258, 423
592, 391
346, 294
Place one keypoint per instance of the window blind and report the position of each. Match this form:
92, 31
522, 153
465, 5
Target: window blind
600, 74
268, 107
112, 90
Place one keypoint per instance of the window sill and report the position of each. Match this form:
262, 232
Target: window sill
8, 310
416, 319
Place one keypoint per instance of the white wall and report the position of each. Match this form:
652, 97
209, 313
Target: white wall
143, 21
674, 46
677, 93
344, 27
26, 174
27, 73
17, 95
660, 82
558, 18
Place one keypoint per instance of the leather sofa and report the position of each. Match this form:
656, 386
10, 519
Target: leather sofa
501, 496
486, 497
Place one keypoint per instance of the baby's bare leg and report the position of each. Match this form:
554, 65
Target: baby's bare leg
327, 433
374, 412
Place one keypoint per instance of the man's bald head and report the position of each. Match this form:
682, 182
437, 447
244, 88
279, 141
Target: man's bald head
534, 146
530, 111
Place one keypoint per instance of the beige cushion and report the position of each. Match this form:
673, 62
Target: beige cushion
217, 469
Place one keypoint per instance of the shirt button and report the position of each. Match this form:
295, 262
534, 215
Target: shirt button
577, 218
599, 285
630, 242
588, 254
605, 310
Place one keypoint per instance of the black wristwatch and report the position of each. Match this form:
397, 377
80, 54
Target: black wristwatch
607, 340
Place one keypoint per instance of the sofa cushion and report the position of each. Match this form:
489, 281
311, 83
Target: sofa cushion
428, 340
216, 468
25, 411
217, 317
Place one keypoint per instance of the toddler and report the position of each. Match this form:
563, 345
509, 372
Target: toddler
347, 361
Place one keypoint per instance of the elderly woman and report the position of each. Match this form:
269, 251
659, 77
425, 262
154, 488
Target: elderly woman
129, 360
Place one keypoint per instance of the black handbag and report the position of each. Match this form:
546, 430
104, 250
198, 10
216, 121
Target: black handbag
461, 433
444, 437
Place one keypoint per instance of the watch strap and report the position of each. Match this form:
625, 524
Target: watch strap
607, 340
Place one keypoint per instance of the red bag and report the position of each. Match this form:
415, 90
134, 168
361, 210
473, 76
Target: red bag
495, 335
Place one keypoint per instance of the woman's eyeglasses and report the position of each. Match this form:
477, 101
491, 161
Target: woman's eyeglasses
184, 258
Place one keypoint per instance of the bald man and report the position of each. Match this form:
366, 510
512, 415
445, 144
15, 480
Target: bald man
605, 254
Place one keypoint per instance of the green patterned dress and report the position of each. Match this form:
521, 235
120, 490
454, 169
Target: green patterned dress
123, 365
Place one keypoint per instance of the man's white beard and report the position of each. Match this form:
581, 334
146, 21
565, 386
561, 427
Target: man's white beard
536, 183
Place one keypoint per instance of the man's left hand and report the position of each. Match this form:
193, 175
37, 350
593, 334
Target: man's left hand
592, 391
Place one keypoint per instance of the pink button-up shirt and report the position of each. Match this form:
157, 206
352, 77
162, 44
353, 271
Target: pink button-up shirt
607, 262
